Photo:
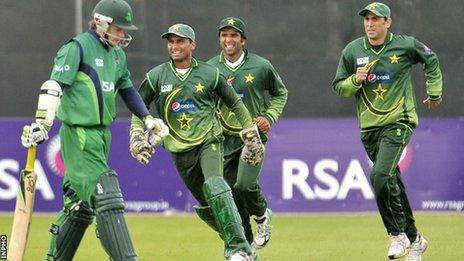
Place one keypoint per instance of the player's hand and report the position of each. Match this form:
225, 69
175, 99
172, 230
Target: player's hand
253, 149
361, 73
156, 126
432, 103
140, 147
154, 139
263, 124
34, 134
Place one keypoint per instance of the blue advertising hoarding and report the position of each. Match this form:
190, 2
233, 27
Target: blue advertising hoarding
311, 165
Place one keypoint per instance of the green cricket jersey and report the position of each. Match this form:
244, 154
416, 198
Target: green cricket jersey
387, 96
92, 80
251, 80
187, 103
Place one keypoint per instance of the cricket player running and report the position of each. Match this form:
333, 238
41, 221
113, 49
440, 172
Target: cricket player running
252, 77
185, 92
376, 69
88, 72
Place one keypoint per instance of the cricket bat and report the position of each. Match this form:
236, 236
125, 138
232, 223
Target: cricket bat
24, 208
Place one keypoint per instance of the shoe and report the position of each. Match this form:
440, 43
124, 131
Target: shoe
240, 256
417, 248
263, 230
399, 246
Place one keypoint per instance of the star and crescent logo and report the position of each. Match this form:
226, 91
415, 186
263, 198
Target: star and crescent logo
231, 21
249, 78
373, 5
394, 59
379, 92
199, 87
184, 121
176, 27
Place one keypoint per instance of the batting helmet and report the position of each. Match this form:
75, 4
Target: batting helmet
117, 12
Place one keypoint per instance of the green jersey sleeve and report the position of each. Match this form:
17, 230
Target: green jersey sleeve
66, 64
233, 101
344, 83
278, 95
433, 75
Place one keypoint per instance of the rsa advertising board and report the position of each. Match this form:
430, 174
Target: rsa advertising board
311, 165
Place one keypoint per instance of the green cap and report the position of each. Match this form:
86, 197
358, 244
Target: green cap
233, 22
181, 30
379, 9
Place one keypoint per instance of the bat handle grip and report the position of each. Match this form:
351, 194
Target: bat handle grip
31, 153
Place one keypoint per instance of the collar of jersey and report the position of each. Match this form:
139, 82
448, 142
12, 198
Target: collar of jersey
184, 76
222, 60
97, 37
368, 46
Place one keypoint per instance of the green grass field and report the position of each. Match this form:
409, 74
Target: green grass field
294, 237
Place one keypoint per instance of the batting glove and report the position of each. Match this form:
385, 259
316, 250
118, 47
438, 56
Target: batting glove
34, 134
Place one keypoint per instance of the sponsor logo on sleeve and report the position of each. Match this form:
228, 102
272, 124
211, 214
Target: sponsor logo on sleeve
166, 88
99, 62
362, 60
61, 68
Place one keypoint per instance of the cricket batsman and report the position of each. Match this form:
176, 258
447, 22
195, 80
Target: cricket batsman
87, 74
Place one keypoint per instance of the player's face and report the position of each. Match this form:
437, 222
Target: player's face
115, 35
180, 49
376, 27
231, 42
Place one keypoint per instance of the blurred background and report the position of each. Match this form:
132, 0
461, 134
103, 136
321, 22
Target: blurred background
303, 40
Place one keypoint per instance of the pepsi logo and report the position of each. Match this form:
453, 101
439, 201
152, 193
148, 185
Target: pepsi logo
175, 106
371, 77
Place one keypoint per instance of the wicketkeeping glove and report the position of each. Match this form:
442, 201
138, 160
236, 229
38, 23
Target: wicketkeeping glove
139, 146
34, 134
253, 149
156, 126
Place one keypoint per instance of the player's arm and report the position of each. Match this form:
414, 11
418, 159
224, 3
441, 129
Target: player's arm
278, 98
66, 65
348, 81
49, 100
433, 75
142, 142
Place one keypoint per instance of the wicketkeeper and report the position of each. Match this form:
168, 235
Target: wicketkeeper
185, 92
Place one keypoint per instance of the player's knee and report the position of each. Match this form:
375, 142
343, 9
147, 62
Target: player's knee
107, 195
379, 181
215, 186
69, 232
79, 214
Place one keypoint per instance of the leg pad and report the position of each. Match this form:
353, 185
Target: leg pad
111, 225
69, 233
